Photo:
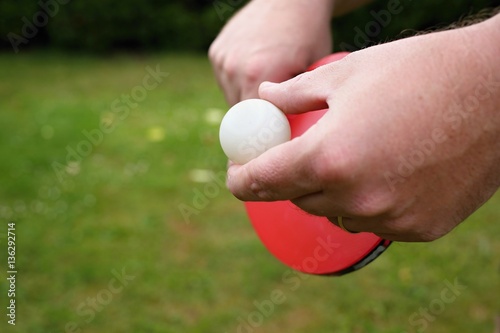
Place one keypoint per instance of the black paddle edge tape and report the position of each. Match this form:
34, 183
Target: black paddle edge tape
370, 257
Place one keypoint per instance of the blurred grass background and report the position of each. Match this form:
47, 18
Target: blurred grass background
116, 213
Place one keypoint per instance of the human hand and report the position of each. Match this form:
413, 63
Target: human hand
410, 146
269, 40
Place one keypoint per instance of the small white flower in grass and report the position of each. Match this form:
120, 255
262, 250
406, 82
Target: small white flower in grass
214, 116
107, 119
73, 168
201, 175
156, 134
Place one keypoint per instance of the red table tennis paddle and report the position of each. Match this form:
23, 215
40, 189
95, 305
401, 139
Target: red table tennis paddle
308, 243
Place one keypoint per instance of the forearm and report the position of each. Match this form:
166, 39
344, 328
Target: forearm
484, 39
474, 115
490, 43
489, 33
321, 9
337, 7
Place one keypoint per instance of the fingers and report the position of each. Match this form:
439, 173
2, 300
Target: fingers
332, 205
250, 80
283, 172
322, 204
231, 91
240, 75
256, 72
346, 223
226, 76
306, 92
293, 97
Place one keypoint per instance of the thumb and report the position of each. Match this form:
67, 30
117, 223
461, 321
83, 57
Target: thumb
284, 172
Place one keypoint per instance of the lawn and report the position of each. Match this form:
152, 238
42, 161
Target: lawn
105, 169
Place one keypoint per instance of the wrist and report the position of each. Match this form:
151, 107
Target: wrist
319, 9
468, 58
485, 39
480, 104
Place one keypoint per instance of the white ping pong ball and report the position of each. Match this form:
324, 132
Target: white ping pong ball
252, 127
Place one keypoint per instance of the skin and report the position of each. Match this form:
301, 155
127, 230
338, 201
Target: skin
385, 104
403, 150
258, 45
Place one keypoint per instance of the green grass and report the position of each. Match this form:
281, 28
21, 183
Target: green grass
119, 209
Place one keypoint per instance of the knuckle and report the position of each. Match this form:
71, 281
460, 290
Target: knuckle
212, 53
333, 165
215, 55
372, 204
253, 71
249, 72
230, 67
